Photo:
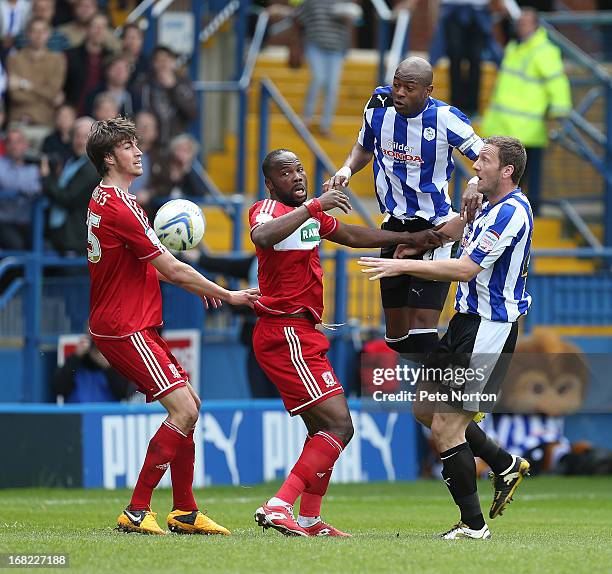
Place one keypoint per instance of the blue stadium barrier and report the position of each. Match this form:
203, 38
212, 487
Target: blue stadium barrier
237, 443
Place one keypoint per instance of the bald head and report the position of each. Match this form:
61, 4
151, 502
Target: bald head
412, 86
415, 69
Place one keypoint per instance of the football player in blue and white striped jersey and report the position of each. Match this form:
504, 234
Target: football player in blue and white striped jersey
492, 272
411, 137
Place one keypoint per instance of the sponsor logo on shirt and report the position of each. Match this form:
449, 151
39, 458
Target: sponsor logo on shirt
310, 232
401, 153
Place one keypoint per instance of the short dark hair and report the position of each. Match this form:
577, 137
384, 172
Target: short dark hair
511, 152
131, 26
270, 160
164, 50
104, 137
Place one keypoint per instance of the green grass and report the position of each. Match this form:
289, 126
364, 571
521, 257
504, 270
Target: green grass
554, 525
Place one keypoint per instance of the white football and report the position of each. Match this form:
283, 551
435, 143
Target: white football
179, 224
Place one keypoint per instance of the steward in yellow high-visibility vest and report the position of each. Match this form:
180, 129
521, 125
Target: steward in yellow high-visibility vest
531, 87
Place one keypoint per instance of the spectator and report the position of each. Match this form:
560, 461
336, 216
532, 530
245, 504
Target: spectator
85, 64
105, 107
466, 26
57, 146
117, 75
70, 194
146, 130
179, 178
76, 30
16, 176
531, 86
36, 77
87, 377
168, 95
132, 40
45, 10
14, 15
3, 86
327, 37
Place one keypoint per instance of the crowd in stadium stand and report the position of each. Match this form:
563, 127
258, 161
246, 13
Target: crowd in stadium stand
56, 77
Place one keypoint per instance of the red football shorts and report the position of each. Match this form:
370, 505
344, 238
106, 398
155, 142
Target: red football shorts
293, 354
145, 359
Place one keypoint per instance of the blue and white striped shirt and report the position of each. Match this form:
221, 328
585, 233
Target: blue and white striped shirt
413, 155
499, 240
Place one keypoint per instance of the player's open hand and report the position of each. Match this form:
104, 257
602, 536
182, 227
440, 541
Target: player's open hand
378, 268
245, 297
337, 181
211, 302
471, 202
335, 198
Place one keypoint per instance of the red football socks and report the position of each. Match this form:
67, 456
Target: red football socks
162, 450
310, 471
181, 471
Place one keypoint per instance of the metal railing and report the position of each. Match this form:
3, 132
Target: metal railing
575, 125
241, 86
323, 163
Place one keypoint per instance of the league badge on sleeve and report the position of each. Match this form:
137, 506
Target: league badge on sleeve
488, 241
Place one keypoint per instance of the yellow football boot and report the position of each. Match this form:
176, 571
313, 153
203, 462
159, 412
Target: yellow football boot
194, 522
142, 521
479, 417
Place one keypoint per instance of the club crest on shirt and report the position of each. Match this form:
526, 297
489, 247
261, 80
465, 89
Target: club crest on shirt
263, 217
488, 241
429, 134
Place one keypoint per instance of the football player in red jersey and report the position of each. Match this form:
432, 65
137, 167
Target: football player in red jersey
126, 261
286, 230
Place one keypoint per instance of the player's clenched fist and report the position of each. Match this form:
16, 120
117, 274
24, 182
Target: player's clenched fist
335, 198
421, 241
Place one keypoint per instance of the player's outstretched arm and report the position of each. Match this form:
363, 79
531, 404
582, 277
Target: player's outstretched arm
358, 236
452, 230
462, 269
185, 276
279, 228
357, 160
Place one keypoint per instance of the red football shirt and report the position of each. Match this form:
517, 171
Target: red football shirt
124, 293
290, 274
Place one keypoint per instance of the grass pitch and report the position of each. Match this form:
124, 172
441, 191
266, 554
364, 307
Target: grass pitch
554, 525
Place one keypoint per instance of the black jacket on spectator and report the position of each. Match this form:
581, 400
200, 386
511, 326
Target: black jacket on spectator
76, 72
175, 108
74, 198
56, 150
106, 384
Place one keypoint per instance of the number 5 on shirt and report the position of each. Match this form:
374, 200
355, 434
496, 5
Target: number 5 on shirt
94, 252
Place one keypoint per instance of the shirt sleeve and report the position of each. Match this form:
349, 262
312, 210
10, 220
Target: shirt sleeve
132, 227
261, 212
486, 248
328, 224
461, 135
366, 134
